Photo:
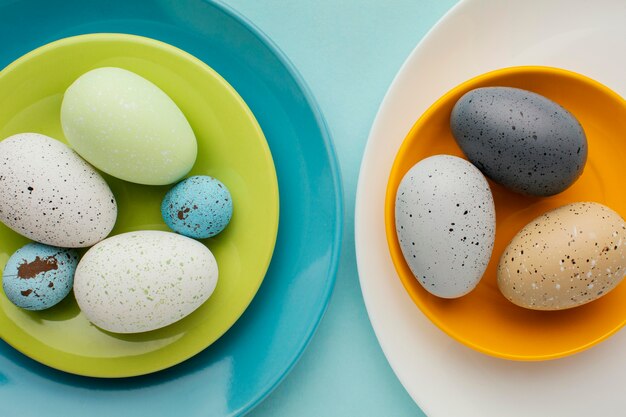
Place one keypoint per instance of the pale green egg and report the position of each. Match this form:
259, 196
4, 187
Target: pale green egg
128, 127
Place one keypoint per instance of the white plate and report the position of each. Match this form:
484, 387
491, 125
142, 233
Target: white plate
444, 377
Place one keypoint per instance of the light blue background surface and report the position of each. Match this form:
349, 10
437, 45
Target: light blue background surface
348, 51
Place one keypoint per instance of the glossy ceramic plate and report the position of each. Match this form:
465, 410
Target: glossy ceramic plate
231, 147
484, 319
247, 362
444, 377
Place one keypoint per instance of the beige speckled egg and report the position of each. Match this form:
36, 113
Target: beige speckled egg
564, 258
141, 281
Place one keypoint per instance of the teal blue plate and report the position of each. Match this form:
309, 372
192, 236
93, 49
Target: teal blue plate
242, 367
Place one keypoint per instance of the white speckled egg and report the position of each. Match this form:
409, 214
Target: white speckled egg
141, 281
50, 195
445, 220
564, 258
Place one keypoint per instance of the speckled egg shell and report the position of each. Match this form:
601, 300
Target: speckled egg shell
445, 221
37, 276
128, 127
198, 207
50, 195
565, 258
520, 139
142, 281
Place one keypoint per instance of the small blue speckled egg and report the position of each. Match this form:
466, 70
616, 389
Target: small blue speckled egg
198, 207
38, 276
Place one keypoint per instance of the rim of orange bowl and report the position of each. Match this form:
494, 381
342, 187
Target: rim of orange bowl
404, 273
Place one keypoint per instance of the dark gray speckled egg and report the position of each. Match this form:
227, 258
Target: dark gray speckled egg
520, 139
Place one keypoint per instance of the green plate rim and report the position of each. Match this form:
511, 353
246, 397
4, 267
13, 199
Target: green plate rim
78, 367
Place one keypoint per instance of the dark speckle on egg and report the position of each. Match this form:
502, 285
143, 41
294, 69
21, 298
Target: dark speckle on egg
520, 139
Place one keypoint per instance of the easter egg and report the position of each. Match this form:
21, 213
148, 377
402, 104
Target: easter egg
445, 221
520, 139
38, 276
198, 207
566, 257
128, 127
141, 281
50, 195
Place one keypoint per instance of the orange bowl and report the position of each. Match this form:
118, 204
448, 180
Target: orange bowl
484, 320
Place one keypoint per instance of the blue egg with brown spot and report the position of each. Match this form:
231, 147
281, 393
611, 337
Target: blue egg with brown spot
38, 276
198, 207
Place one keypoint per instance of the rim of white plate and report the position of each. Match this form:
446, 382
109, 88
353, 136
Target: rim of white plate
369, 158
395, 93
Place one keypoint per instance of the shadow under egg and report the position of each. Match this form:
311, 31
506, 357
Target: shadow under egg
64, 310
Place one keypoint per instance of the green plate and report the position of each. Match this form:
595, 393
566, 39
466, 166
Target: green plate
231, 147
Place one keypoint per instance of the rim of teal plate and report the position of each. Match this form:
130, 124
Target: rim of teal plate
335, 174
337, 189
